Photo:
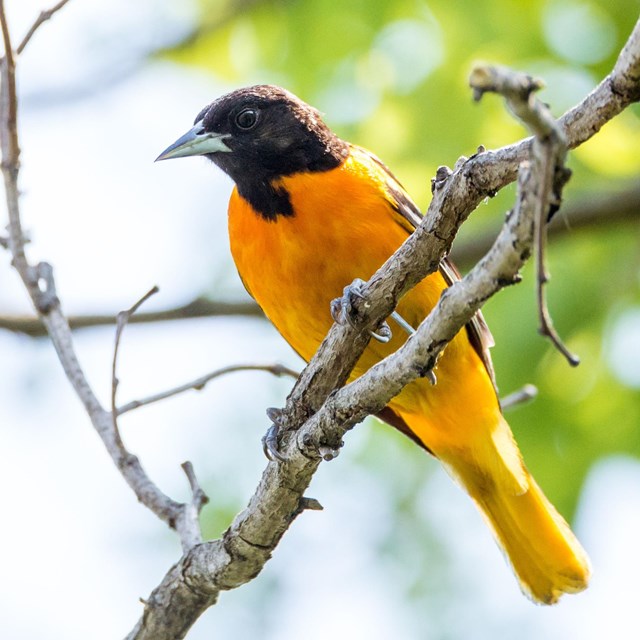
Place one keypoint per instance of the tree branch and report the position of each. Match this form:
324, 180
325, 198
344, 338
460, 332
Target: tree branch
39, 282
518, 91
40, 20
455, 197
254, 533
201, 382
198, 308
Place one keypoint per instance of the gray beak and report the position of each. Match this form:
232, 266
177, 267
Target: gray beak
196, 142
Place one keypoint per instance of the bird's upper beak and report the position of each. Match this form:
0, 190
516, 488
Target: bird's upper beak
196, 142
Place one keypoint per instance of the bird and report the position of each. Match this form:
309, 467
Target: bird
309, 214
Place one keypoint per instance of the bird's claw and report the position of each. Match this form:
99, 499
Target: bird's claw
343, 309
270, 439
382, 333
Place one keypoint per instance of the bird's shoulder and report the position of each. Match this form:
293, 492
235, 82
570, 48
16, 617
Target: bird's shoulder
408, 214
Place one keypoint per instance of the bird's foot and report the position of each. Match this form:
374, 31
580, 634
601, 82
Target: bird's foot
270, 439
344, 310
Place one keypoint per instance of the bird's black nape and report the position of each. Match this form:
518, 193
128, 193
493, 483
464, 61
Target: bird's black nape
270, 133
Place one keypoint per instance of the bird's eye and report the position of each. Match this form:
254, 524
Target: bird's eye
247, 119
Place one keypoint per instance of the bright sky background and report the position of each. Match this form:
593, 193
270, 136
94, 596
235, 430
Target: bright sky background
77, 551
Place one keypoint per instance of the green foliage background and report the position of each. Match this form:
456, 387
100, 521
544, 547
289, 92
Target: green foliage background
392, 76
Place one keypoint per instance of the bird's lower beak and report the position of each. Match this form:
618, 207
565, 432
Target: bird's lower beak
196, 142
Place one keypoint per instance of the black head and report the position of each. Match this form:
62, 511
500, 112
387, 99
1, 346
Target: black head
258, 134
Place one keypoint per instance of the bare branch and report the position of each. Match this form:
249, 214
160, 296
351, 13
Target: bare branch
122, 319
40, 20
549, 155
593, 212
200, 498
190, 532
199, 383
256, 531
198, 308
519, 397
455, 197
40, 285
184, 518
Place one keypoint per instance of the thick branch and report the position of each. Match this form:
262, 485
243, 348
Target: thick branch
254, 534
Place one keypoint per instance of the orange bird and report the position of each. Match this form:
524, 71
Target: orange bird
309, 214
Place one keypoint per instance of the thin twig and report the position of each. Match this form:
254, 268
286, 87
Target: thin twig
200, 498
199, 383
549, 151
544, 156
519, 397
184, 518
40, 285
40, 20
192, 534
198, 308
122, 320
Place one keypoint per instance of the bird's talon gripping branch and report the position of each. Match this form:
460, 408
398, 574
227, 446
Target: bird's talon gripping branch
270, 444
382, 333
343, 310
270, 439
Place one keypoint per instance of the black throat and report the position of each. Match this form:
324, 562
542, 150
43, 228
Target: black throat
269, 201
289, 142
257, 177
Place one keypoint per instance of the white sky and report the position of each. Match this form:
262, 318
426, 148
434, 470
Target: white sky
77, 551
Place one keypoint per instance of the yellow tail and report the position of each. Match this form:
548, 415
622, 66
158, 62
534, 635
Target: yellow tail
545, 555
